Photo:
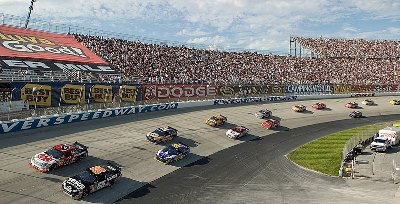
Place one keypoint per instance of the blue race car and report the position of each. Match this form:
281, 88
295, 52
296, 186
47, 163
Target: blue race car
163, 134
173, 152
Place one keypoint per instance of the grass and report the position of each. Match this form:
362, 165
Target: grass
325, 154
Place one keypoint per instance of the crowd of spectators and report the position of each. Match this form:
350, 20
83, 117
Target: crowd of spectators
160, 63
351, 48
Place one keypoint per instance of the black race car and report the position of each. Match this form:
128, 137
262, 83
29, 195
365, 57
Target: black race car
91, 180
356, 114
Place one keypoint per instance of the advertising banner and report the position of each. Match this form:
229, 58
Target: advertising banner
128, 93
276, 90
73, 94
101, 93
5, 92
24, 43
79, 117
305, 89
242, 90
363, 88
174, 91
342, 89
386, 88
36, 94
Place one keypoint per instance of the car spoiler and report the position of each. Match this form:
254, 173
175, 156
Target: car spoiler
114, 165
77, 144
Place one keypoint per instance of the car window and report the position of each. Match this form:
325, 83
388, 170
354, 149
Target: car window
54, 153
86, 177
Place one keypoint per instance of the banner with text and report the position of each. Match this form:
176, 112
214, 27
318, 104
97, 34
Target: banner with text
176, 91
305, 89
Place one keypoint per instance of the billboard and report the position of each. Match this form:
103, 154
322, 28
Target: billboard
24, 43
167, 91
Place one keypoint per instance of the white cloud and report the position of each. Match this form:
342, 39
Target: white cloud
190, 32
252, 24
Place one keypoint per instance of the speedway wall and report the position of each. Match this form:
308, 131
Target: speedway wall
199, 94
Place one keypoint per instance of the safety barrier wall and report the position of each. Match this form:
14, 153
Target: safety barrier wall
58, 119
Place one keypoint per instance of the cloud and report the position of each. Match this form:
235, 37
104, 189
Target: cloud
250, 24
190, 32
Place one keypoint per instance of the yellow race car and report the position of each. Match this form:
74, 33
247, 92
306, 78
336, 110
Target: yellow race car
216, 120
394, 102
299, 108
396, 124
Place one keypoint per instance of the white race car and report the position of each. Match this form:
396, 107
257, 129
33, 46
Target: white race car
368, 102
237, 132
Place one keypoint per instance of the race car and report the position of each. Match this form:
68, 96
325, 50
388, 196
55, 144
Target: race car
270, 124
351, 105
216, 120
57, 156
237, 132
262, 114
368, 102
394, 102
356, 114
319, 106
299, 108
172, 153
163, 134
91, 180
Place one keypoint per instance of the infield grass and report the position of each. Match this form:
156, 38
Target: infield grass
325, 154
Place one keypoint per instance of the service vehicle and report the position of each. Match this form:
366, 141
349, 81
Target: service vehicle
380, 144
391, 133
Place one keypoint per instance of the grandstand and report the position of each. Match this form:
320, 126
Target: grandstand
86, 60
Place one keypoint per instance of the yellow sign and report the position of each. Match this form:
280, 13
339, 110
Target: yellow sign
36, 94
128, 93
342, 89
73, 94
101, 93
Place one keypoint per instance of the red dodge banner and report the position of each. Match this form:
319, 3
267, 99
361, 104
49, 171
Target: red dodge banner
165, 91
24, 43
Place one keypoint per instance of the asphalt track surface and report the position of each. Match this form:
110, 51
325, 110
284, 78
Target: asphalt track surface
218, 170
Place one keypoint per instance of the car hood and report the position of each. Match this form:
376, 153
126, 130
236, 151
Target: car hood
43, 159
232, 132
73, 184
165, 154
152, 134
377, 144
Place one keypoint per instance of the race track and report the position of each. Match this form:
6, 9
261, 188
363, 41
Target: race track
254, 171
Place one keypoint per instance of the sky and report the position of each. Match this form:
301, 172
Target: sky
256, 25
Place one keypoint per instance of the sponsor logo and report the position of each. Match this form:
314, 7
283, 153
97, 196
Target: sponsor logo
177, 91
73, 94
51, 121
362, 95
226, 91
256, 99
307, 89
36, 94
23, 43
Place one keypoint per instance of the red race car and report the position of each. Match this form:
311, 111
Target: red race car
59, 155
270, 124
351, 105
318, 106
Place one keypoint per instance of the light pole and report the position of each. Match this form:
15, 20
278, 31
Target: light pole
29, 13
34, 92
